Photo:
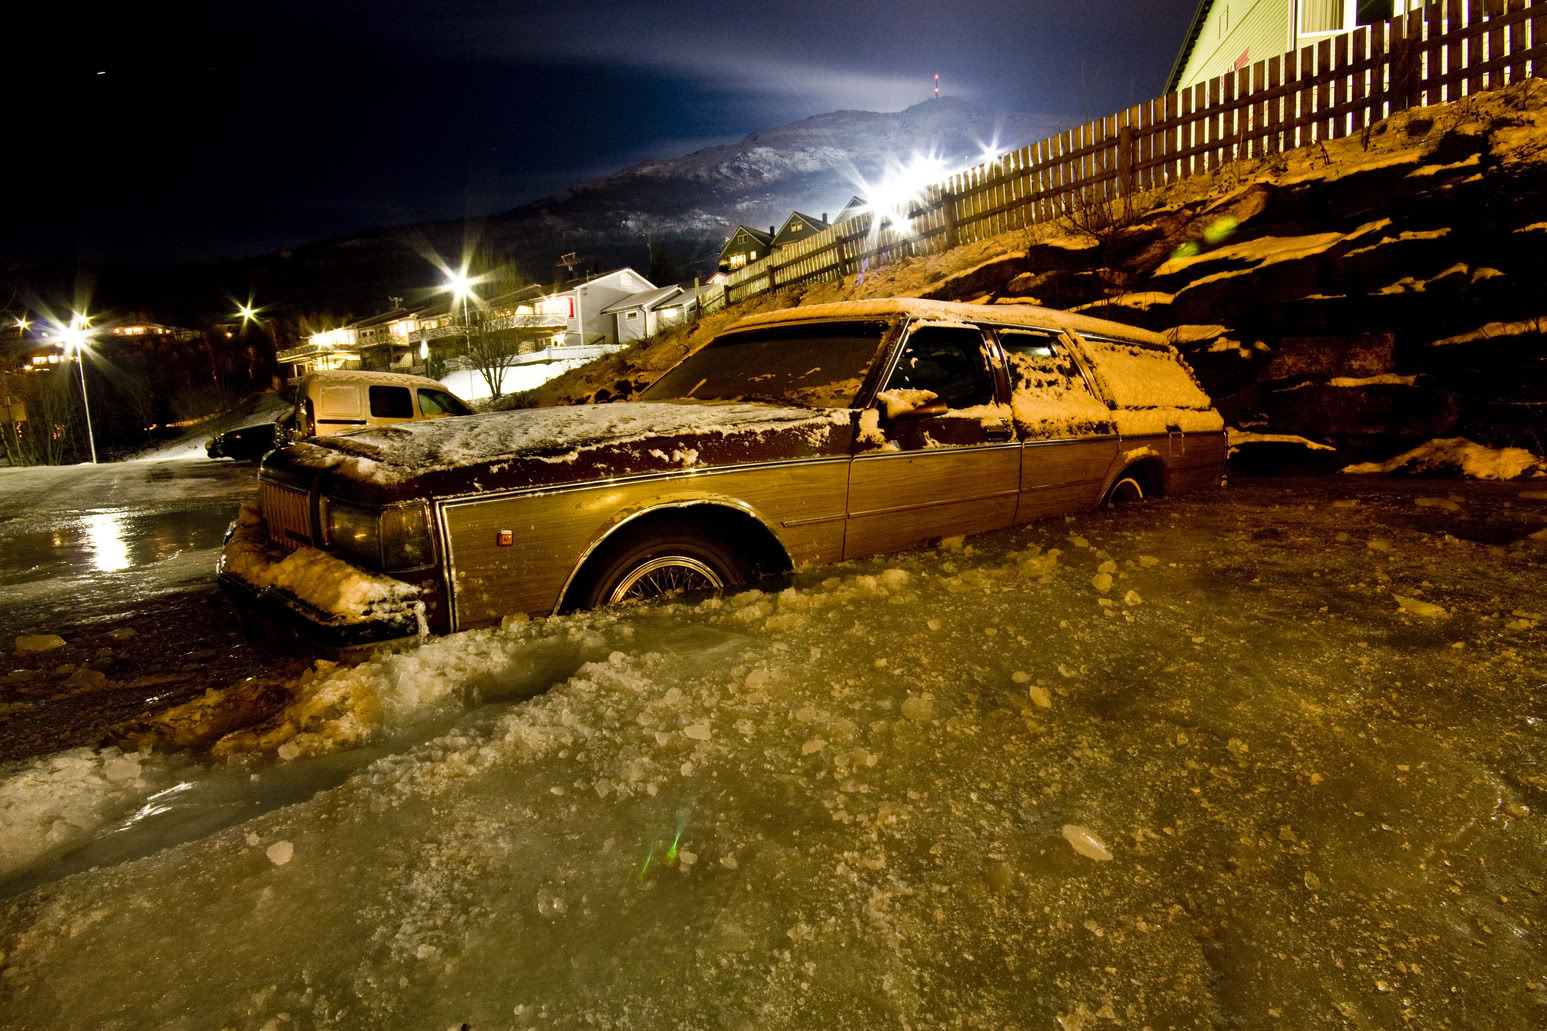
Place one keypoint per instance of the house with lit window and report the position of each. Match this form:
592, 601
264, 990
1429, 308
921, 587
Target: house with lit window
1228, 35
797, 227
745, 246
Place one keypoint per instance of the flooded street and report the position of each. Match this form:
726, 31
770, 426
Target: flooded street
1187, 764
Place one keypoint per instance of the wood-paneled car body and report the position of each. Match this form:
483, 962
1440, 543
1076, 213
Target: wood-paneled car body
796, 437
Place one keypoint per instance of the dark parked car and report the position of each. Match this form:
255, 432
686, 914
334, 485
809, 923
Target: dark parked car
246, 443
797, 437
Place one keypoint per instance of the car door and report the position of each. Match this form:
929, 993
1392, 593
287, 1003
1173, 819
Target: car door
1068, 437
937, 454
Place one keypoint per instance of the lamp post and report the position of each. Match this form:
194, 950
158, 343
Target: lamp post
75, 336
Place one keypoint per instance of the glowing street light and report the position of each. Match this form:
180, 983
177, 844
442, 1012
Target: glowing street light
461, 285
75, 337
247, 312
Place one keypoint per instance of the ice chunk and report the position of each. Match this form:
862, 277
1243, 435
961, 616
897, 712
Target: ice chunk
1020, 677
696, 731
280, 852
1102, 581
1085, 842
918, 708
1441, 503
31, 644
1417, 607
1040, 696
815, 744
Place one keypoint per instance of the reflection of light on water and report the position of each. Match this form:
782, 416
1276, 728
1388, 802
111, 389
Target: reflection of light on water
156, 804
105, 535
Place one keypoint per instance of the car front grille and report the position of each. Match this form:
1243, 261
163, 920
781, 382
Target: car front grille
286, 511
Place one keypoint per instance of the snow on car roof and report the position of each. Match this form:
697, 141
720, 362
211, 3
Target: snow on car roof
392, 454
1003, 314
362, 377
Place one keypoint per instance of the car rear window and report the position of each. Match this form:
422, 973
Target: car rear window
392, 403
339, 402
815, 365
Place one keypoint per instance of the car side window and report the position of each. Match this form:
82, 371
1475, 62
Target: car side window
1037, 358
948, 362
392, 403
438, 402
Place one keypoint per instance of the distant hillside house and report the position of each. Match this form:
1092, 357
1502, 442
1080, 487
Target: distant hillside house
798, 227
745, 246
647, 312
1227, 35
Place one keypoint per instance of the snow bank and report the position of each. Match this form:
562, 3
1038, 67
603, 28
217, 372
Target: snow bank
1238, 437
1459, 455
345, 592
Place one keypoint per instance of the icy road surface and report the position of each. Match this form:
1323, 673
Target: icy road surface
1189, 765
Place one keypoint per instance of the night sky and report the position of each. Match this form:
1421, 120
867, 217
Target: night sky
192, 132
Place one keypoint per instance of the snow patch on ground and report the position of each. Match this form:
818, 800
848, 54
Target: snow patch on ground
1239, 437
1460, 455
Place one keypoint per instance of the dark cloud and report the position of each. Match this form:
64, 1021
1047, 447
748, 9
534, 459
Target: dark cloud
193, 130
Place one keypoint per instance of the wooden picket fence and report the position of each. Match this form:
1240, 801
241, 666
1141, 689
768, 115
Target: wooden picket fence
1335, 88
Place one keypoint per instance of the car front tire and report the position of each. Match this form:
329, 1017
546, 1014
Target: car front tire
664, 565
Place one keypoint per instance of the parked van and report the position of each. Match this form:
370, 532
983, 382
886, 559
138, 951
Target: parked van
339, 400
332, 402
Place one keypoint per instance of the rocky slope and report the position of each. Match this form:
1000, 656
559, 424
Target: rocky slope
1364, 296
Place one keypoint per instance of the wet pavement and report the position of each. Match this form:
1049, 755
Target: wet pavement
117, 559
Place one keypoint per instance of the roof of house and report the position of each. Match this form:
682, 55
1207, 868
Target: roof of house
1191, 39
854, 207
646, 299
536, 290
757, 234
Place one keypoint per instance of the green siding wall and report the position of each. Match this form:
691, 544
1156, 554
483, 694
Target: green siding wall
1260, 28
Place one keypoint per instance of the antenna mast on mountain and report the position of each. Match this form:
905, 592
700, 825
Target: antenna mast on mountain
937, 85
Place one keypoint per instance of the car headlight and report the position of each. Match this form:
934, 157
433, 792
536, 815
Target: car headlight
395, 537
355, 530
405, 537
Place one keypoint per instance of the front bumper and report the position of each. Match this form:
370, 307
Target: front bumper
281, 620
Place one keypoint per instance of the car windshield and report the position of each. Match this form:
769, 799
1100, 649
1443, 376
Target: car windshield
815, 365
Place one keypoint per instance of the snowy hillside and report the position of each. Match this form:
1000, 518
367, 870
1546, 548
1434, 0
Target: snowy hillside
691, 203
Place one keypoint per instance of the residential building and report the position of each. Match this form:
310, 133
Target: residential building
745, 246
1228, 35
646, 313
856, 206
797, 227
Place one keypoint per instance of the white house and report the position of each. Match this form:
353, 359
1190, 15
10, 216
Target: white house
647, 312
556, 328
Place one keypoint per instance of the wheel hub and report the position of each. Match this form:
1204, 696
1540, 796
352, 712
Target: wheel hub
669, 574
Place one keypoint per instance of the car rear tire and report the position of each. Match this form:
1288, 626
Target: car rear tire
1126, 490
664, 565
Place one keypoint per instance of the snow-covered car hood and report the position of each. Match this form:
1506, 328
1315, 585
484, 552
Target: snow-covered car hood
665, 433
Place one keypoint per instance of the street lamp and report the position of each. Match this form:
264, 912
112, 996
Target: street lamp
460, 286
75, 336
